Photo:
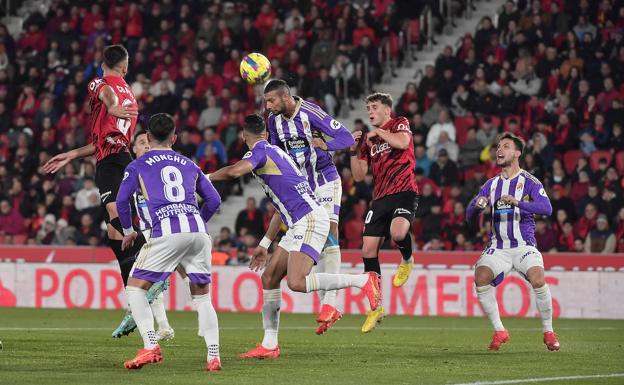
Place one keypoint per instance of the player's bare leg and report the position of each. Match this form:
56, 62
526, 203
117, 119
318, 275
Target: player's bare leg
329, 263
272, 295
487, 297
543, 300
400, 234
370, 256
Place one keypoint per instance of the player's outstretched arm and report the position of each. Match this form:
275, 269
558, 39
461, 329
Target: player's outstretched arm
127, 188
341, 137
212, 199
242, 167
111, 101
399, 140
59, 161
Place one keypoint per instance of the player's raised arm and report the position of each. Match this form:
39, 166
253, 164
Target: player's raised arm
240, 168
212, 199
359, 167
341, 137
59, 161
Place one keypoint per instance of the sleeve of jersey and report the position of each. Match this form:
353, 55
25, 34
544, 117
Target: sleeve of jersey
341, 137
402, 125
257, 158
212, 199
95, 86
539, 203
127, 188
363, 151
472, 210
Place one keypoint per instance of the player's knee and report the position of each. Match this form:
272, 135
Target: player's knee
268, 281
482, 278
296, 283
537, 282
397, 235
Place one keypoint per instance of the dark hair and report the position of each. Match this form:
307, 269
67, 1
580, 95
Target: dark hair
380, 97
161, 126
114, 54
276, 85
518, 142
137, 133
254, 124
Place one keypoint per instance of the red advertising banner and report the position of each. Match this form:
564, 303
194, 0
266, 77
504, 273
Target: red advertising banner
428, 292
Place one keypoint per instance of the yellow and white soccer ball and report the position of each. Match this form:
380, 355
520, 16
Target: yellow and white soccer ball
255, 68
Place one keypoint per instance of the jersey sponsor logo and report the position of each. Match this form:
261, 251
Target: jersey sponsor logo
326, 200
402, 211
379, 149
104, 196
247, 155
503, 208
297, 144
303, 188
335, 124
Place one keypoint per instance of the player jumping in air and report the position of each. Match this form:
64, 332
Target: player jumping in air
113, 117
514, 197
389, 149
308, 228
179, 235
298, 127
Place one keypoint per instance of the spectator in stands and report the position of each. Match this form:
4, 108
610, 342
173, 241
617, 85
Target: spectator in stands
11, 222
422, 160
84, 196
486, 135
216, 145
560, 201
452, 149
443, 124
444, 171
242, 257
470, 151
600, 239
566, 238
546, 238
46, 233
185, 146
251, 219
587, 221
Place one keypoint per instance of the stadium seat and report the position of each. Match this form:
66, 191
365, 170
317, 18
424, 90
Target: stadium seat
570, 158
596, 156
462, 124
619, 162
19, 239
496, 121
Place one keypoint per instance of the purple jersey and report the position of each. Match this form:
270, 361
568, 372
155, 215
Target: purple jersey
145, 220
282, 181
295, 136
513, 226
168, 182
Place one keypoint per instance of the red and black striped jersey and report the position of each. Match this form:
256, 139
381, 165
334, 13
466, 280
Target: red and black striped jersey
109, 134
393, 169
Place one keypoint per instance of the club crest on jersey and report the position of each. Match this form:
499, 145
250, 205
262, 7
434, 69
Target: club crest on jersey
379, 148
501, 207
520, 186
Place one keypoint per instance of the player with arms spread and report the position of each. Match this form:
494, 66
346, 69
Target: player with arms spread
389, 149
179, 235
299, 128
514, 196
308, 227
113, 117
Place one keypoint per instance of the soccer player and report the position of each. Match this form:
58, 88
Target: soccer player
389, 148
308, 227
298, 127
514, 197
140, 145
179, 235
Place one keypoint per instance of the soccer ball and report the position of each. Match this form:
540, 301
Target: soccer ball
255, 68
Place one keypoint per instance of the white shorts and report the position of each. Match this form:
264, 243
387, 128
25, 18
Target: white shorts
160, 256
503, 261
308, 235
329, 196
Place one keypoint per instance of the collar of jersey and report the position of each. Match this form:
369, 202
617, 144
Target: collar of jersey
511, 177
297, 107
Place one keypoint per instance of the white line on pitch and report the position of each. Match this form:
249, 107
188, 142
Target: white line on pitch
300, 328
544, 379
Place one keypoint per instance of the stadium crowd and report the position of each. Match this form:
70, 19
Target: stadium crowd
549, 71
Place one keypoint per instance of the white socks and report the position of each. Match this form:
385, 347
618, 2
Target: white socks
331, 260
158, 309
142, 314
208, 324
271, 317
487, 298
543, 301
325, 281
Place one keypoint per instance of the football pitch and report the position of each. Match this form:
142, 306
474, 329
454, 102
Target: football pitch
75, 347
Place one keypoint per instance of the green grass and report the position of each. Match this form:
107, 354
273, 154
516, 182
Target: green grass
402, 350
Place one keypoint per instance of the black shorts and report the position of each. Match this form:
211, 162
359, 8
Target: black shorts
384, 210
109, 173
